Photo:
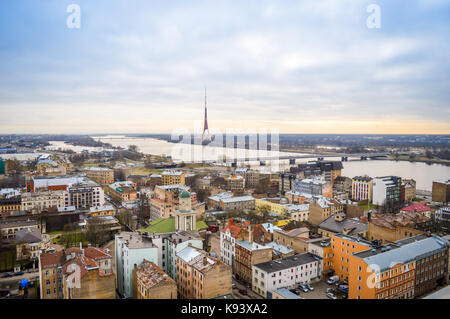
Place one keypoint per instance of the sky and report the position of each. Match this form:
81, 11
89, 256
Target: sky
296, 66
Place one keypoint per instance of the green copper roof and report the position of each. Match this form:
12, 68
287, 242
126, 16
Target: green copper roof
185, 194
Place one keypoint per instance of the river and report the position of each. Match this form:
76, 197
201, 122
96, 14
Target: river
424, 174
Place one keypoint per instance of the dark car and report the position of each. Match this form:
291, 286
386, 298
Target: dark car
243, 292
295, 291
310, 288
19, 273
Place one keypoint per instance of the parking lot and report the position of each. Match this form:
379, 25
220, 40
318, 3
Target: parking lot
319, 292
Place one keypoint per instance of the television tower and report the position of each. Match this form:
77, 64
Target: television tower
206, 137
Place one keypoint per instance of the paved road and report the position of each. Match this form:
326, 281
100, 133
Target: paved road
237, 295
30, 276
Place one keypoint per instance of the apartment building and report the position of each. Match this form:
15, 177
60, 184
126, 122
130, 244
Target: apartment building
173, 177
401, 270
231, 233
166, 200
408, 190
286, 183
386, 189
297, 212
85, 195
340, 224
151, 282
443, 214
343, 247
441, 191
10, 204
322, 208
39, 201
213, 202
247, 254
321, 247
313, 187
271, 206
251, 176
238, 203
392, 227
284, 273
131, 249
123, 191
101, 175
295, 239
58, 273
362, 188
235, 183
9, 228
29, 244
329, 170
200, 276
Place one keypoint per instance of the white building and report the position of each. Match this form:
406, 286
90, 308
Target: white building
443, 214
131, 249
386, 188
227, 242
284, 273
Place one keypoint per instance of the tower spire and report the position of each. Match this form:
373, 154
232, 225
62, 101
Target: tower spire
205, 126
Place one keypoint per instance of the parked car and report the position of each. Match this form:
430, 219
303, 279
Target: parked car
311, 288
243, 292
331, 296
295, 291
332, 280
233, 286
303, 288
330, 290
19, 273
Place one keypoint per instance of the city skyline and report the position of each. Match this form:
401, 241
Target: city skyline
300, 67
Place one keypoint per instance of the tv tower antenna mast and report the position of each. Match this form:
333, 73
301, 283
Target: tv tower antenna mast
206, 137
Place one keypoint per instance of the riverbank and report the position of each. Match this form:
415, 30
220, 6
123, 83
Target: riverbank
418, 159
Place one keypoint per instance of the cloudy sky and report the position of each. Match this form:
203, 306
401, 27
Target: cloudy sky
298, 66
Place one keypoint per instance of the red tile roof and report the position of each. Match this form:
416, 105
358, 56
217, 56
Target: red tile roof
54, 259
416, 207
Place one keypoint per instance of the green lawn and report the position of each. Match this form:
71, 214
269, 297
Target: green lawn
167, 225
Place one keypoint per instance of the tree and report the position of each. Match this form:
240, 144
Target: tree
219, 182
263, 186
97, 231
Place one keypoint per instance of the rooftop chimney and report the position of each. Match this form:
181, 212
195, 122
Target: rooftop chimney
205, 260
250, 235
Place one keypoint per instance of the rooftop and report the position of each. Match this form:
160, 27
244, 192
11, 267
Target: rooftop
405, 251
237, 199
286, 263
251, 246
278, 248
135, 240
150, 275
286, 293
348, 225
197, 258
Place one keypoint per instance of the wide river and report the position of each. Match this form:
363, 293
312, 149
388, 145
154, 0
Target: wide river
423, 173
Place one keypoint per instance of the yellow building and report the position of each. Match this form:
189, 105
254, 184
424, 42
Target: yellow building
100, 175
362, 188
276, 208
173, 177
8, 205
